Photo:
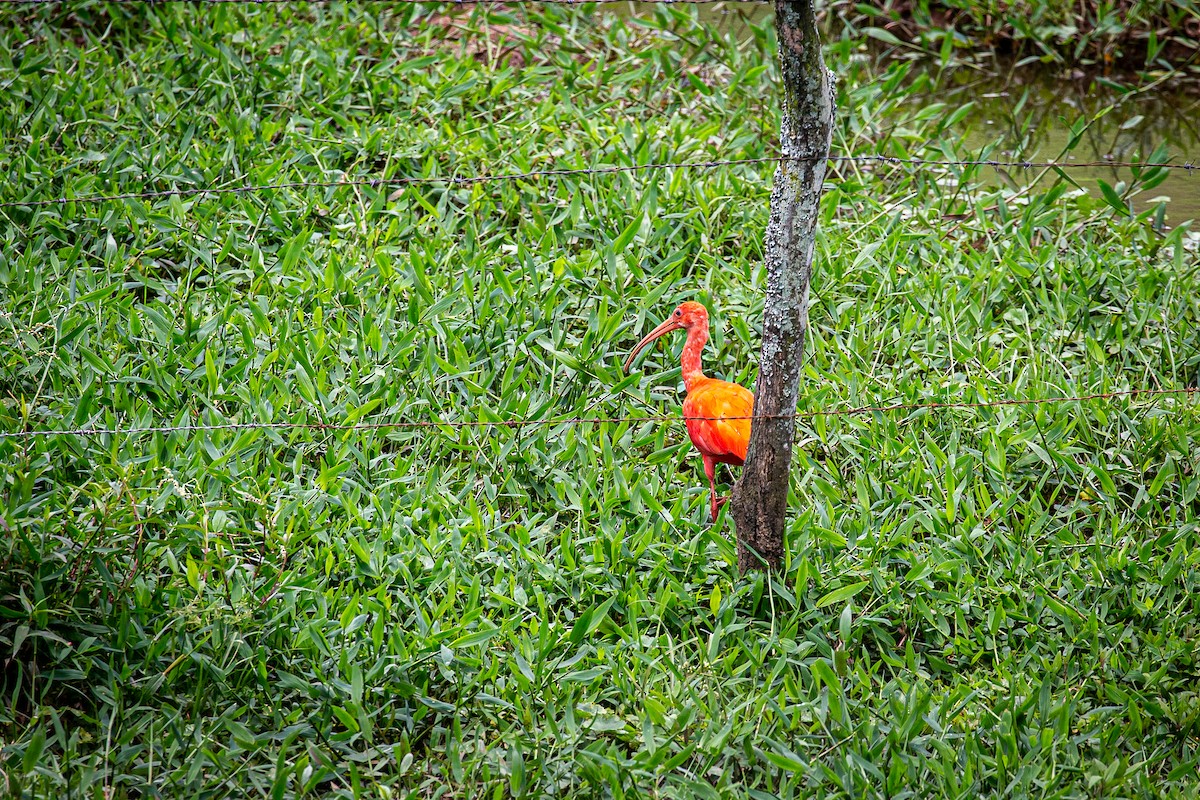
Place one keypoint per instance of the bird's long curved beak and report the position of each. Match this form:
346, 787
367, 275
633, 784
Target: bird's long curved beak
668, 325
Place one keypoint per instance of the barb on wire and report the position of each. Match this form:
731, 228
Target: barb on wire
518, 423
1189, 166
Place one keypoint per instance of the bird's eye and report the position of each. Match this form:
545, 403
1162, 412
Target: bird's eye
678, 313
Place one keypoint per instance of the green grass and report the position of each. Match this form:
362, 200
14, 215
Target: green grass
995, 602
1150, 34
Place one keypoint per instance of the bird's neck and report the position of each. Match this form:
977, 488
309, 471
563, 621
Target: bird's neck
692, 373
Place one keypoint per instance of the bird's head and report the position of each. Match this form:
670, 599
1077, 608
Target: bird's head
687, 315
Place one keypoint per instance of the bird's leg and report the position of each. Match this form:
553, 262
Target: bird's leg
710, 469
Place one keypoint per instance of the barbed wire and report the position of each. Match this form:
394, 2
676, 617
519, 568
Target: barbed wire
392, 2
519, 423
1189, 166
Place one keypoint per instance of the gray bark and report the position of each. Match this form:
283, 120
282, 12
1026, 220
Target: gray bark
759, 503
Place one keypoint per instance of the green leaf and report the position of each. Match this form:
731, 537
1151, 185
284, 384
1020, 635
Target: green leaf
566, 358
33, 752
588, 621
476, 637
885, 36
210, 371
1164, 474
783, 757
1112, 198
584, 675
841, 594
822, 671
291, 252
1106, 481
1061, 609
622, 241
356, 414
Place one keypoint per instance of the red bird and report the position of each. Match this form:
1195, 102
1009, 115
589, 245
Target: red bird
717, 413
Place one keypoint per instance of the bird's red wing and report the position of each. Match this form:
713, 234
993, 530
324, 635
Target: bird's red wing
718, 419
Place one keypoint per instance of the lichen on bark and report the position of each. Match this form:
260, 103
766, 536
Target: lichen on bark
759, 504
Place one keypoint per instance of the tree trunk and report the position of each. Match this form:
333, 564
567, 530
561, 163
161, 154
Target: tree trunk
759, 504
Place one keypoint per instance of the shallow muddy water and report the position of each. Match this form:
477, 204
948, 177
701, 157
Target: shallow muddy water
1027, 112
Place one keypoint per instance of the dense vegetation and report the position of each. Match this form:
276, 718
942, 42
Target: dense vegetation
977, 602
1134, 34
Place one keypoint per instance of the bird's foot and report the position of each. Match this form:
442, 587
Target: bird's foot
716, 506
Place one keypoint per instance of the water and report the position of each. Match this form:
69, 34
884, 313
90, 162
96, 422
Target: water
1028, 111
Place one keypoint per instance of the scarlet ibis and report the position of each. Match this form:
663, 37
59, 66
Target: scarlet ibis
717, 413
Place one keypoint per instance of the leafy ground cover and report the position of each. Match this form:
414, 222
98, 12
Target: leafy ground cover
1135, 34
981, 602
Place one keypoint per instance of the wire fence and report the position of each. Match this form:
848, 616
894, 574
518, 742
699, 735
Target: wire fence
397, 2
1188, 166
519, 423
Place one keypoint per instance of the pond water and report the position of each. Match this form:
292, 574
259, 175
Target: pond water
1028, 110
